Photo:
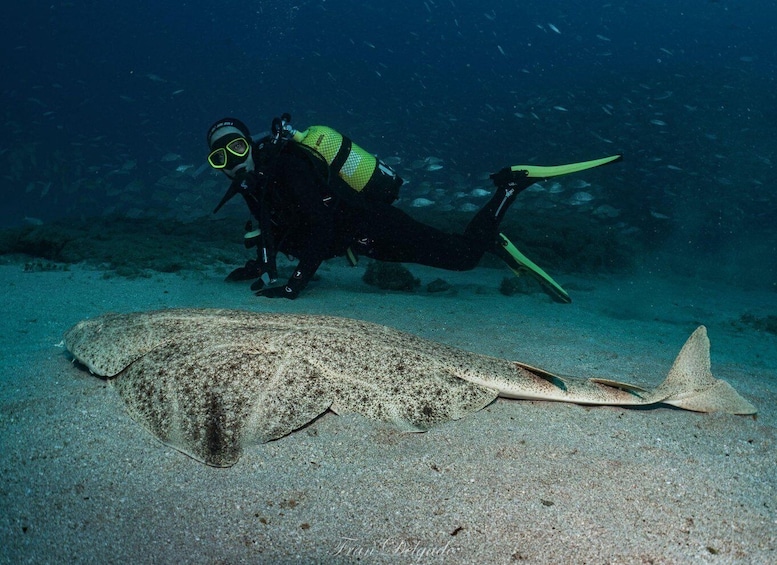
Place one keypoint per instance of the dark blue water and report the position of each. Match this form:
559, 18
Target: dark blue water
96, 94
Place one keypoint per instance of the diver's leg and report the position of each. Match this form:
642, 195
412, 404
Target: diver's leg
484, 227
392, 235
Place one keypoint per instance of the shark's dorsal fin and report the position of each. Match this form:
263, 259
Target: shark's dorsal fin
555, 380
617, 384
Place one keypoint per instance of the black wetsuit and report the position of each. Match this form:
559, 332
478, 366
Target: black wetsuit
315, 216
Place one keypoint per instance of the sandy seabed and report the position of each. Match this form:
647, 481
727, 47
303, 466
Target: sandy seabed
520, 481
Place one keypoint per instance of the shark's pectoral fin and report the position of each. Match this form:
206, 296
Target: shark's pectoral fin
423, 397
209, 401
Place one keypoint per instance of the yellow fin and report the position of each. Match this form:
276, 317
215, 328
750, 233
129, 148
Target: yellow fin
537, 172
518, 263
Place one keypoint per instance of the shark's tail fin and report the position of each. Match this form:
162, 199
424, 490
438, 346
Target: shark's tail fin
691, 386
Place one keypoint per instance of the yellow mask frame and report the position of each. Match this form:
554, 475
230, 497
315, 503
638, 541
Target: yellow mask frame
239, 147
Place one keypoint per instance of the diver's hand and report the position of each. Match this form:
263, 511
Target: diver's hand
251, 270
278, 292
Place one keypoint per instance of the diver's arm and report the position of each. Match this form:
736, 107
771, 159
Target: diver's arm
252, 187
306, 190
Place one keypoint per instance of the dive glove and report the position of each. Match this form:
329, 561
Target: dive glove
284, 291
290, 290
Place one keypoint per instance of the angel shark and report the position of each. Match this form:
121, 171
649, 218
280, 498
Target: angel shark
209, 382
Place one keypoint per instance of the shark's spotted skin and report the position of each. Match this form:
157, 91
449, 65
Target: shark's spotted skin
209, 382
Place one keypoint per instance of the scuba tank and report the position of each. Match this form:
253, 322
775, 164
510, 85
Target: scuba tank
360, 170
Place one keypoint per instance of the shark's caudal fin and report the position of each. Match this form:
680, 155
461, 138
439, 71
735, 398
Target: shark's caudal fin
691, 386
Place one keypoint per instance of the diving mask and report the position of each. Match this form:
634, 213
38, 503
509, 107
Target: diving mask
231, 155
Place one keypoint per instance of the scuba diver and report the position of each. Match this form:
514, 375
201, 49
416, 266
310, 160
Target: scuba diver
316, 195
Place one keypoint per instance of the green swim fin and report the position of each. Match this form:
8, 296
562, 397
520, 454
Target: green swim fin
353, 258
536, 172
519, 264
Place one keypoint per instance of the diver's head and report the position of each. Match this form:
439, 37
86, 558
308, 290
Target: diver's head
230, 147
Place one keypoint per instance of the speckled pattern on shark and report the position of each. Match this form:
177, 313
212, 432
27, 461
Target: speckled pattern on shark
209, 382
